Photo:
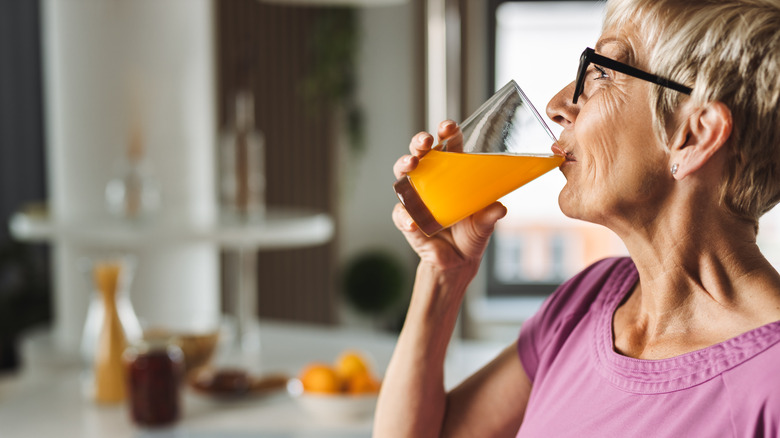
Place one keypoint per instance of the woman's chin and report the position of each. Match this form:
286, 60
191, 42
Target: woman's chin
573, 207
567, 205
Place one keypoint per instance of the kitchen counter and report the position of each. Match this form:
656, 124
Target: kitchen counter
44, 399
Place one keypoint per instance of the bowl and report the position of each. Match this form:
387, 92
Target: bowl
198, 346
198, 349
340, 407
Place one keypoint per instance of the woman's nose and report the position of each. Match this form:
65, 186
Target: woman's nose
560, 109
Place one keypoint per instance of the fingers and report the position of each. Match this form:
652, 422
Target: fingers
416, 238
421, 144
402, 220
450, 133
410, 230
404, 165
484, 221
447, 129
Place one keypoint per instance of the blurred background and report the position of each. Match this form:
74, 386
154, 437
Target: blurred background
242, 151
92, 89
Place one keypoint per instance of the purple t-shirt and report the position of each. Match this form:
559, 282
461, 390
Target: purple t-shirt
583, 388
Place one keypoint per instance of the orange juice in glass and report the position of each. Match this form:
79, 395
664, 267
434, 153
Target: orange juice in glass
504, 145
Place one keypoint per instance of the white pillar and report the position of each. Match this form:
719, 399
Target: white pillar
109, 65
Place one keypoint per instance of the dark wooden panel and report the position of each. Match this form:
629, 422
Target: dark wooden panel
265, 48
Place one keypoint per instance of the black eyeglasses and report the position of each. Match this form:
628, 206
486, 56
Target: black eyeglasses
589, 56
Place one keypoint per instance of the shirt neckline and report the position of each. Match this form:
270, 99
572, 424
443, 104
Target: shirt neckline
645, 376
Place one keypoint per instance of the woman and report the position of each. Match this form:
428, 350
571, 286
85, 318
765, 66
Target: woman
683, 337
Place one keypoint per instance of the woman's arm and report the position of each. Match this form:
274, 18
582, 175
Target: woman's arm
413, 401
492, 402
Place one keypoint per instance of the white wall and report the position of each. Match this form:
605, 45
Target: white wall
386, 84
385, 90
106, 63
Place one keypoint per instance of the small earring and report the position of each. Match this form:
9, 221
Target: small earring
674, 168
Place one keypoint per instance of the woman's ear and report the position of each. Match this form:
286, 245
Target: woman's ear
703, 134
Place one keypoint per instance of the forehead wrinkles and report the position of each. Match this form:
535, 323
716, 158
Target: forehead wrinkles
616, 45
624, 44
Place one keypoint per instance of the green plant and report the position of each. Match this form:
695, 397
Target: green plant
332, 77
373, 282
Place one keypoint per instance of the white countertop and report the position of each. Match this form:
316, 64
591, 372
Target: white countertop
44, 399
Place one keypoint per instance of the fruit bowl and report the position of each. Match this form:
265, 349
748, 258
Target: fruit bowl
346, 389
331, 407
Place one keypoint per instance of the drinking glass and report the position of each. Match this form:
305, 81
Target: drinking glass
502, 146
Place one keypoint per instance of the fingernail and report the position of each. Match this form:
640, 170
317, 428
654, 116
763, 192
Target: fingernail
408, 159
409, 224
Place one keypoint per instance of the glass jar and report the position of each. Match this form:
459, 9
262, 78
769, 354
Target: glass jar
134, 194
242, 164
155, 370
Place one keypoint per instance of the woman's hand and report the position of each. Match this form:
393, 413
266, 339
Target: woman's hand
460, 245
413, 401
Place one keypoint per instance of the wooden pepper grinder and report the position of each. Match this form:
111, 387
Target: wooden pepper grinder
110, 383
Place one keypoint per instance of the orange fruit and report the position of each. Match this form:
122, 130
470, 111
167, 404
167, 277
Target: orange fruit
362, 383
318, 377
349, 364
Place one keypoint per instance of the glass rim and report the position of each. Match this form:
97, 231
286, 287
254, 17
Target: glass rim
529, 106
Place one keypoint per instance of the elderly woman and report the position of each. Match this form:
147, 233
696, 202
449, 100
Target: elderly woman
672, 140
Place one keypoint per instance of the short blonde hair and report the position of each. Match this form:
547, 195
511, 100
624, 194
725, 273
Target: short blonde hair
727, 51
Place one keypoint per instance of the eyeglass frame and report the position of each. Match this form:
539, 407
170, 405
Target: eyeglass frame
589, 56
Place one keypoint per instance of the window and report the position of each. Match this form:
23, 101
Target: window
536, 247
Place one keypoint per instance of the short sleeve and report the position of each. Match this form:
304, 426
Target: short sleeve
542, 334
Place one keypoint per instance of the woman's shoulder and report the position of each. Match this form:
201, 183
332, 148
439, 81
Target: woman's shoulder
754, 388
759, 351
585, 297
600, 283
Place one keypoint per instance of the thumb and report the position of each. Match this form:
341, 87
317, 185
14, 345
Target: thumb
485, 220
473, 237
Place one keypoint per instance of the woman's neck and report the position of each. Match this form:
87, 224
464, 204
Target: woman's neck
693, 271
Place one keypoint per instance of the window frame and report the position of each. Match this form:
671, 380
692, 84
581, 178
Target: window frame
494, 287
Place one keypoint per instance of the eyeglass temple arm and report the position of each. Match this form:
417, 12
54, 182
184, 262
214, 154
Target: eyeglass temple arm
641, 74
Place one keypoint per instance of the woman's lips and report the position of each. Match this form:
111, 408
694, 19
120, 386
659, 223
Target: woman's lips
558, 150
